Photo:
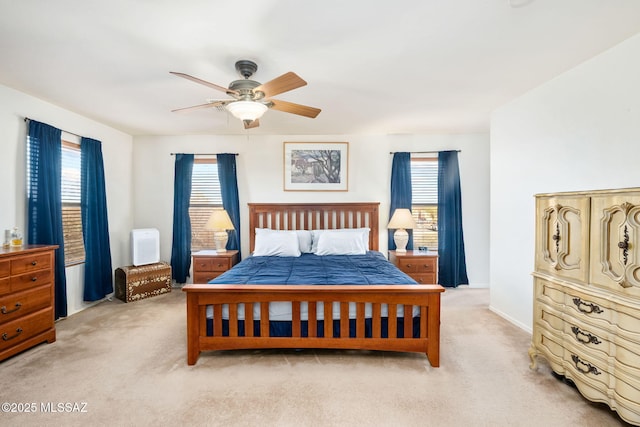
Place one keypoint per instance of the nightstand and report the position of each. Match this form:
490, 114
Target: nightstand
422, 266
208, 265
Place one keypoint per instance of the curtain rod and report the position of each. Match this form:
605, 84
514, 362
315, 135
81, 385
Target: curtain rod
26, 119
424, 152
204, 154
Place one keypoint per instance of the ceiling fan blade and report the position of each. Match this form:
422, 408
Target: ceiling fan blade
206, 83
250, 124
290, 107
198, 107
284, 83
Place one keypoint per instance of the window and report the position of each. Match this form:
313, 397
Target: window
205, 197
424, 188
71, 212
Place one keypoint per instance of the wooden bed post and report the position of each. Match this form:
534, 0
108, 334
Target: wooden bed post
193, 328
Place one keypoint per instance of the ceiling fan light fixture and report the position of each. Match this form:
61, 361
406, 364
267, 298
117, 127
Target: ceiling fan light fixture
247, 110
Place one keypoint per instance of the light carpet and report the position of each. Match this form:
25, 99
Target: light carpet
125, 365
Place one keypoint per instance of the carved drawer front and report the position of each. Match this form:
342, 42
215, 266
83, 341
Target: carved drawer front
27, 263
592, 339
22, 303
550, 319
586, 370
21, 329
548, 292
31, 280
589, 309
615, 258
562, 244
550, 345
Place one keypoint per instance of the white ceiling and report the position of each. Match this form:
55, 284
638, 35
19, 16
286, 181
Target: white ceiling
373, 67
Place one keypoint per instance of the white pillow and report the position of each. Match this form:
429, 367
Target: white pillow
363, 232
276, 243
304, 237
339, 243
304, 241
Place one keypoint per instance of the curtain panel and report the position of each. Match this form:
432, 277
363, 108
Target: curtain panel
98, 279
227, 174
45, 201
401, 194
181, 243
452, 267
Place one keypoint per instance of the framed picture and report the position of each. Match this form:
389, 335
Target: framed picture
316, 166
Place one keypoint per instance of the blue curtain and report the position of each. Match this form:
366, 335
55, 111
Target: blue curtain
181, 244
45, 201
400, 191
230, 200
98, 281
452, 267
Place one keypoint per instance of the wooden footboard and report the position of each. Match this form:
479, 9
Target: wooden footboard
426, 297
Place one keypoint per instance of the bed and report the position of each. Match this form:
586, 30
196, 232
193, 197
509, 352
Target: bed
382, 314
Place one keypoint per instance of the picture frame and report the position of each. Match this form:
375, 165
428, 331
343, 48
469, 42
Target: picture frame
316, 166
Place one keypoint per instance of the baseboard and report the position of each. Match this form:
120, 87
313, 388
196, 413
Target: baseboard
511, 320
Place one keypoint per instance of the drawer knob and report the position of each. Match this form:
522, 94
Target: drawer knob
34, 263
588, 367
584, 337
409, 265
4, 310
219, 265
6, 337
34, 279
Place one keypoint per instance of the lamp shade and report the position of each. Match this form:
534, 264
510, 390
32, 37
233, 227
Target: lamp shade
247, 110
402, 218
219, 220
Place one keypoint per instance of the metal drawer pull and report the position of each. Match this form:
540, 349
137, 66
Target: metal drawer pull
592, 307
34, 279
590, 339
34, 263
4, 310
6, 337
590, 368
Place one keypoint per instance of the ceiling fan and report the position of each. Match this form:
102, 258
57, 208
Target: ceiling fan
250, 98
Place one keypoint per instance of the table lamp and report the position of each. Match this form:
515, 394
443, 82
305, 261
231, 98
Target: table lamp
220, 222
401, 220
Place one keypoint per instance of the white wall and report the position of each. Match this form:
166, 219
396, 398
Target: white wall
260, 179
117, 153
579, 131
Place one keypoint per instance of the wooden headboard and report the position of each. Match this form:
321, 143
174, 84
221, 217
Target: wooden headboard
314, 216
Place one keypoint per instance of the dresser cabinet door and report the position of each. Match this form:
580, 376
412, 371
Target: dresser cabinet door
615, 231
563, 236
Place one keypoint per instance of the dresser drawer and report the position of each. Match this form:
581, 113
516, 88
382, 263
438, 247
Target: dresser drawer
5, 268
424, 278
212, 264
23, 328
5, 286
205, 276
27, 263
417, 265
31, 280
22, 303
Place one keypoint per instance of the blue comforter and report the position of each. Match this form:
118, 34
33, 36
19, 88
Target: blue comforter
309, 269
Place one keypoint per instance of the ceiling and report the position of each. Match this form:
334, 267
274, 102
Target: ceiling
373, 67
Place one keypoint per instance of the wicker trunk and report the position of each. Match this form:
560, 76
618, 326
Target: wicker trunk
136, 283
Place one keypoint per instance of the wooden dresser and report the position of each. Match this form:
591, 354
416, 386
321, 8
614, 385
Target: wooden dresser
586, 314
26, 298
208, 265
422, 266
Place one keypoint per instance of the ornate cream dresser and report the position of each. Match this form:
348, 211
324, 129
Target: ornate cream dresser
586, 315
